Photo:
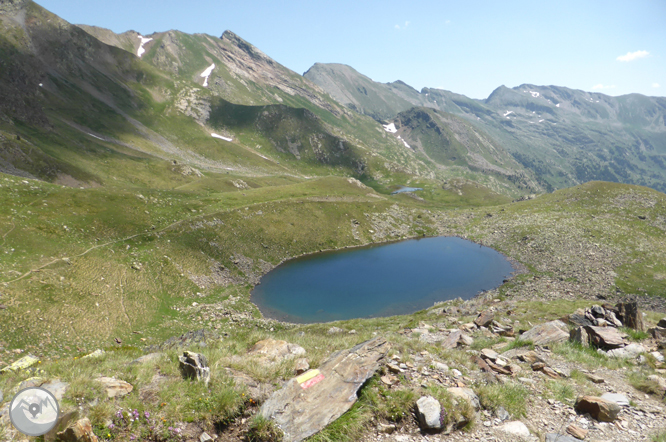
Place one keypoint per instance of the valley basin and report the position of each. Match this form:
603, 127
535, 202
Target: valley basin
379, 280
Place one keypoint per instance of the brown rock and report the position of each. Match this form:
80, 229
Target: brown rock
80, 431
538, 366
484, 319
577, 432
605, 337
115, 387
530, 357
594, 379
658, 333
630, 315
272, 351
580, 336
600, 409
547, 333
308, 403
550, 372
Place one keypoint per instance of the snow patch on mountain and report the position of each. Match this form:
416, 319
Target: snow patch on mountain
141, 50
508, 113
557, 105
205, 74
214, 135
534, 94
390, 128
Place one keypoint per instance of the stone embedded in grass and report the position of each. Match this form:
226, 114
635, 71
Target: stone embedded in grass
115, 387
334, 330
308, 403
548, 333
600, 409
194, 366
271, 351
466, 394
429, 413
22, 364
631, 351
96, 354
301, 365
455, 339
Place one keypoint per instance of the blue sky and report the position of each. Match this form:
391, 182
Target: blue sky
469, 47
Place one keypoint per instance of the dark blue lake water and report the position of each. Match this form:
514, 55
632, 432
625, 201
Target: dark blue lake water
384, 280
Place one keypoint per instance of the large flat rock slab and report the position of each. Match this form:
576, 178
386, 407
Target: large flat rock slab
311, 401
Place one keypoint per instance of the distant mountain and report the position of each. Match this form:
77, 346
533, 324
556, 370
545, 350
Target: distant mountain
565, 136
83, 106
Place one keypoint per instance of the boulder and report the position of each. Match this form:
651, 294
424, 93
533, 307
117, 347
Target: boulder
658, 332
579, 319
79, 431
600, 409
22, 364
309, 402
547, 333
631, 351
487, 353
630, 315
194, 366
580, 336
662, 323
466, 394
484, 319
429, 413
271, 351
115, 387
516, 428
605, 337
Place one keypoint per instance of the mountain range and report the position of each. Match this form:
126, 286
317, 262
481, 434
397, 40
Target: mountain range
77, 101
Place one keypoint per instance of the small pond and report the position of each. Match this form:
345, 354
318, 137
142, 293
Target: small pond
380, 280
404, 189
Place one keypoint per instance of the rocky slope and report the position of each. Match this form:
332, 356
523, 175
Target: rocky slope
565, 136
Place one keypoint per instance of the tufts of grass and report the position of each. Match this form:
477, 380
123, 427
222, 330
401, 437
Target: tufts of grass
511, 396
660, 437
561, 391
263, 430
390, 405
640, 381
635, 335
454, 410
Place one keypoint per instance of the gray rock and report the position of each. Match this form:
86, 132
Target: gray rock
631, 351
57, 388
428, 410
466, 394
619, 399
554, 437
580, 336
516, 428
194, 366
605, 337
147, 358
547, 333
334, 330
502, 414
309, 402
205, 437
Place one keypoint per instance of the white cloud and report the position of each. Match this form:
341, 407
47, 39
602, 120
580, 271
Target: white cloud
633, 56
655, 85
405, 26
604, 86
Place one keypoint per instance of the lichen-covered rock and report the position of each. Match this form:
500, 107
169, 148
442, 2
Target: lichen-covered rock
429, 413
547, 333
194, 366
309, 402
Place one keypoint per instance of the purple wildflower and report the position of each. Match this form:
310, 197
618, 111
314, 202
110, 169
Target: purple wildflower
132, 437
111, 426
146, 415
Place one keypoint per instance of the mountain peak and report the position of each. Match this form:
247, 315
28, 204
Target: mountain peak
244, 45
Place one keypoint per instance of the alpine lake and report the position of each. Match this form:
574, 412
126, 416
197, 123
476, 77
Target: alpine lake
379, 280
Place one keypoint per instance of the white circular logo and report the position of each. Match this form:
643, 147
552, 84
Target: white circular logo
34, 411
